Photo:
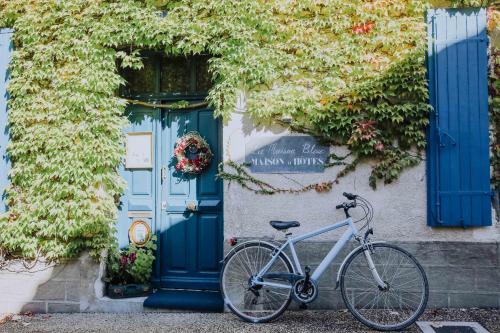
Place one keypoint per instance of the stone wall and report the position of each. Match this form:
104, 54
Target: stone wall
68, 287
75, 286
460, 275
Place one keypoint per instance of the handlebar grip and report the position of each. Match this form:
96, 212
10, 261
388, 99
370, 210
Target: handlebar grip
339, 206
349, 196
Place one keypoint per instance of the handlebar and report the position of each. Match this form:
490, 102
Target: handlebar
354, 201
347, 205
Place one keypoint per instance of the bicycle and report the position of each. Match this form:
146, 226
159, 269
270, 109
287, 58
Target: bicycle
382, 285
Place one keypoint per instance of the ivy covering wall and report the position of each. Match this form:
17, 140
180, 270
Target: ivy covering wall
350, 72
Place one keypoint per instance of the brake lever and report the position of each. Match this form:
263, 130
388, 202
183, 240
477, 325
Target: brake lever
350, 196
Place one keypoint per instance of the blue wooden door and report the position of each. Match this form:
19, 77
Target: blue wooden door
139, 199
190, 242
5, 55
458, 152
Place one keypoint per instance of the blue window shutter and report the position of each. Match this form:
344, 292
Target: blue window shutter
5, 55
458, 167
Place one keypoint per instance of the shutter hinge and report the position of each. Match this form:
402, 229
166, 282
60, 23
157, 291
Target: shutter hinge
442, 133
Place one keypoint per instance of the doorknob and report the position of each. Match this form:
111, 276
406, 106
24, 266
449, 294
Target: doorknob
191, 206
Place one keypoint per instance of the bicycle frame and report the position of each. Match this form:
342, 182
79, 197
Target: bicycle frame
351, 232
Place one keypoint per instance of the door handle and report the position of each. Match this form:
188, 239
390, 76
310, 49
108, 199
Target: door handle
163, 173
192, 207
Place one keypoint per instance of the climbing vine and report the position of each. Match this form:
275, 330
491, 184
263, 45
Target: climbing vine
238, 173
494, 93
348, 72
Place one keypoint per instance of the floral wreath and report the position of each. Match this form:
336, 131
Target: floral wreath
193, 144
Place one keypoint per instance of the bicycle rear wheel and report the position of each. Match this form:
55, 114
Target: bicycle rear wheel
256, 304
395, 307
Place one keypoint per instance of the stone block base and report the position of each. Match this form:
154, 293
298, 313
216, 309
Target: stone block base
461, 275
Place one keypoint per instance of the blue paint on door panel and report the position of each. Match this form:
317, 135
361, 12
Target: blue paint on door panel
140, 191
458, 167
191, 242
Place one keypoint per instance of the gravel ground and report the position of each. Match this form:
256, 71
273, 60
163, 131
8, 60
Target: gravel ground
290, 322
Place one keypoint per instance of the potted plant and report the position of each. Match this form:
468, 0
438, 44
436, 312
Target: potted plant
129, 270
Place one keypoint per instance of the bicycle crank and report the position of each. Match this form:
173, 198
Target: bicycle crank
305, 291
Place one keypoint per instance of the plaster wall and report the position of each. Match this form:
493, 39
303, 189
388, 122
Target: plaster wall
400, 208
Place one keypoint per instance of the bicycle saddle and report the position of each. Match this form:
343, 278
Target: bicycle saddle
282, 225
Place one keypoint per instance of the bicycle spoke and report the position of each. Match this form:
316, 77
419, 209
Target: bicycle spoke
244, 266
406, 283
363, 279
396, 306
277, 293
254, 302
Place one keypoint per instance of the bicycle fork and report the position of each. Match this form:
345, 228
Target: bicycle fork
381, 284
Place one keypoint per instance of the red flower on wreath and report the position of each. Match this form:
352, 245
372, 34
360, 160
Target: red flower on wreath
190, 164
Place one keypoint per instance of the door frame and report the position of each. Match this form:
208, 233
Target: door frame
158, 116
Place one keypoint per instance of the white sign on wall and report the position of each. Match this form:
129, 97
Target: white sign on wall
139, 150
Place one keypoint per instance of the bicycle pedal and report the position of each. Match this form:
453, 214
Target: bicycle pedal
307, 269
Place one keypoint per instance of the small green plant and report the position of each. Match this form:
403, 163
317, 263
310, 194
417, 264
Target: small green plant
131, 265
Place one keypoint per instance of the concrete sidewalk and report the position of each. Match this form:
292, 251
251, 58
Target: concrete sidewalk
291, 321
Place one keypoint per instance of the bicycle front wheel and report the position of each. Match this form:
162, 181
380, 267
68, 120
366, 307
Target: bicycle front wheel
259, 303
392, 308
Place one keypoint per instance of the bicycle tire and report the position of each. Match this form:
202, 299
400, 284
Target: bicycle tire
380, 327
226, 297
